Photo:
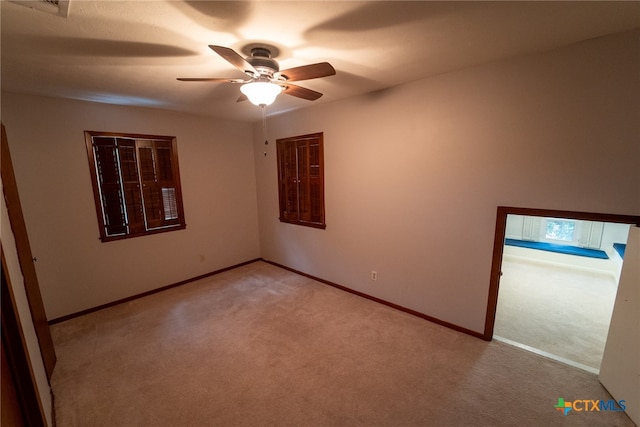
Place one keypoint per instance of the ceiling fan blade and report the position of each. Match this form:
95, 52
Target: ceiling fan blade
301, 92
242, 97
307, 72
235, 59
209, 79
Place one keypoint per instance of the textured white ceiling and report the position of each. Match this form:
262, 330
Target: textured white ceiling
131, 52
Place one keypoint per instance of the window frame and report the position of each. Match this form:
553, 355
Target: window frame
140, 142
313, 216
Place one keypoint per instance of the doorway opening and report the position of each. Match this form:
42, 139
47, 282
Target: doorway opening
554, 280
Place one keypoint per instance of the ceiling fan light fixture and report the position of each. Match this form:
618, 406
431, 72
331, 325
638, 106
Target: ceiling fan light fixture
261, 93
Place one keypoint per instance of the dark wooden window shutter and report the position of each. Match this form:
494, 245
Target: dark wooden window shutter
301, 180
316, 183
136, 184
131, 185
150, 192
106, 158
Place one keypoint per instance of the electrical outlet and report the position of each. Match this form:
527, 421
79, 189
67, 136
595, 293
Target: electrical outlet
374, 275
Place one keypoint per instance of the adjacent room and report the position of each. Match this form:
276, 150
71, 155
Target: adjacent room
293, 213
558, 286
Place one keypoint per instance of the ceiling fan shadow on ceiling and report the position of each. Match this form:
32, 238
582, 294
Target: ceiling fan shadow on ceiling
266, 81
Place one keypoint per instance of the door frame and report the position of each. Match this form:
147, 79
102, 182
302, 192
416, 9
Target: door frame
498, 245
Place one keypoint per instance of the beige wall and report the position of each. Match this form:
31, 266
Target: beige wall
414, 173
76, 271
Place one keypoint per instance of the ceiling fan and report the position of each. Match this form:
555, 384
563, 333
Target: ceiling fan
266, 81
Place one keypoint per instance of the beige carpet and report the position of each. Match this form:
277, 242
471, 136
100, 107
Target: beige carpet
562, 311
261, 346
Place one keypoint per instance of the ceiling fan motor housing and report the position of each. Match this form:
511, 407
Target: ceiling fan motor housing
261, 60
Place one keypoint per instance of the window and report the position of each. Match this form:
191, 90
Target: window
560, 229
301, 180
136, 184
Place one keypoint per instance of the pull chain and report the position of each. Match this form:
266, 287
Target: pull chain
264, 123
